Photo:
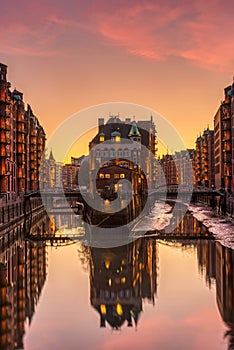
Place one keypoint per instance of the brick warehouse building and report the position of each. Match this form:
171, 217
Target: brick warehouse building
22, 142
204, 159
118, 141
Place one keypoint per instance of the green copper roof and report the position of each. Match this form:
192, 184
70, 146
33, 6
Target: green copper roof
134, 130
115, 133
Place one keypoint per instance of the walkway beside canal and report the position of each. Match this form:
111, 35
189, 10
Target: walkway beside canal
222, 227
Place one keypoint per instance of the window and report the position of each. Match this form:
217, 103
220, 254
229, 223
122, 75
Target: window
122, 176
116, 176
107, 176
101, 176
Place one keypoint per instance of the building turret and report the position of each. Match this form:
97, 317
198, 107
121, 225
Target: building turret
134, 133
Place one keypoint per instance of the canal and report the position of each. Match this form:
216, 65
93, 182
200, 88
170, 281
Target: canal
149, 294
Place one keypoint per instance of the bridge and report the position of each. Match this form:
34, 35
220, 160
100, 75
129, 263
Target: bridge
173, 189
59, 239
198, 193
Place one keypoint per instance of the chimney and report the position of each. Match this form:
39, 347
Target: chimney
3, 72
100, 123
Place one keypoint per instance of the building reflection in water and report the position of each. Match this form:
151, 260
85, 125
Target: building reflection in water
120, 278
22, 276
217, 262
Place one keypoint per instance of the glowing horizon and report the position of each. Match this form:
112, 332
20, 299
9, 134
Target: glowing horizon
175, 58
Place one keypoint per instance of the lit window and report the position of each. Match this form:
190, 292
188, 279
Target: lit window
107, 176
102, 138
122, 176
117, 138
119, 309
116, 176
107, 264
103, 309
101, 176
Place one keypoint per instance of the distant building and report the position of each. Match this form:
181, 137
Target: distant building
70, 176
22, 142
77, 161
168, 171
51, 173
184, 161
177, 169
204, 159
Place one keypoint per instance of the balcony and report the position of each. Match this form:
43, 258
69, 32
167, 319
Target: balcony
20, 173
33, 142
7, 113
4, 126
32, 148
20, 148
226, 125
21, 129
227, 135
5, 140
40, 148
226, 116
227, 146
33, 133
227, 158
20, 118
3, 100
4, 152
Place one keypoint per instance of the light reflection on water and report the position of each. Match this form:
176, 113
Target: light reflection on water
148, 294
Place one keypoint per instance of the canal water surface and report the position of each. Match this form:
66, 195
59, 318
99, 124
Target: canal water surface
150, 294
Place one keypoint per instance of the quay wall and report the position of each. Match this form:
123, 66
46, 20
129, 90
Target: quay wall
220, 204
13, 212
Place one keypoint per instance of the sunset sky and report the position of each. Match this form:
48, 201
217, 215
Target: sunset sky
174, 57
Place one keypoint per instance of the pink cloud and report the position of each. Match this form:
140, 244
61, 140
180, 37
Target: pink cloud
194, 31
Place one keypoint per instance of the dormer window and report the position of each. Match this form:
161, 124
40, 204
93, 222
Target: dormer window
116, 136
101, 137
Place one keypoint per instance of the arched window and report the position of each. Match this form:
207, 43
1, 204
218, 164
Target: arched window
120, 153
